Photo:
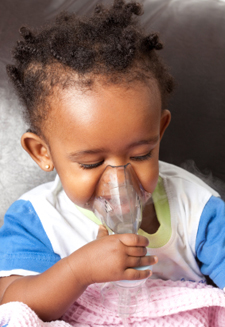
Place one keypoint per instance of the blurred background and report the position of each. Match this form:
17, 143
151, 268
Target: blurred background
193, 33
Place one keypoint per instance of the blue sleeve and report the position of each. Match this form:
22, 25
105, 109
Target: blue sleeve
210, 241
24, 243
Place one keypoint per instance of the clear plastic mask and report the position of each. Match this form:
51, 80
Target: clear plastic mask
119, 199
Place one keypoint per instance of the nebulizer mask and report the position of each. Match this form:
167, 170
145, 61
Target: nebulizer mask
118, 202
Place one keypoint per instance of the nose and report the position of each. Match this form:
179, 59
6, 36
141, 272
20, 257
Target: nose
112, 178
114, 175
115, 179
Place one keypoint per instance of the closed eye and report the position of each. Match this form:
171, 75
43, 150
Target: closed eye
91, 166
142, 158
97, 164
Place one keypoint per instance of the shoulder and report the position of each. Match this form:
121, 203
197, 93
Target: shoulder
25, 247
23, 226
47, 210
29, 208
44, 201
213, 218
40, 228
187, 196
178, 179
48, 191
25, 211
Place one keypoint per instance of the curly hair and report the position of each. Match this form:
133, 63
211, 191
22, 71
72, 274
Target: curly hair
110, 44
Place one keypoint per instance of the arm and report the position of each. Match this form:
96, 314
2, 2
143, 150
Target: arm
108, 258
210, 241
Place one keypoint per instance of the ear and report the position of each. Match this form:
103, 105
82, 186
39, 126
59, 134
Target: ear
38, 150
164, 122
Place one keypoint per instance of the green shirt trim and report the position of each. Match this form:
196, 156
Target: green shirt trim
161, 204
163, 234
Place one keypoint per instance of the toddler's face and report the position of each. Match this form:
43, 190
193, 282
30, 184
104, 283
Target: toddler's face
110, 125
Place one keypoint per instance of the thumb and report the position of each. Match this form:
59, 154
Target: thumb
102, 231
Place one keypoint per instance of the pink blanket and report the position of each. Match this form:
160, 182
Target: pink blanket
185, 304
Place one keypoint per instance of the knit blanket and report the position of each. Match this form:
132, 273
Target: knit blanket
179, 303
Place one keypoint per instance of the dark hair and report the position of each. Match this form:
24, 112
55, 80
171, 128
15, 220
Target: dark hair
108, 44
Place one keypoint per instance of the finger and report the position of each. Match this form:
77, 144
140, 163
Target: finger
136, 251
132, 274
133, 240
141, 261
102, 231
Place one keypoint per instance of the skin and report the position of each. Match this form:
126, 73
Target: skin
85, 132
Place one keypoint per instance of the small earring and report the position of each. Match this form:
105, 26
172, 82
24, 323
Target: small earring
47, 166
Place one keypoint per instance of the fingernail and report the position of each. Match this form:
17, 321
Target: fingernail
155, 258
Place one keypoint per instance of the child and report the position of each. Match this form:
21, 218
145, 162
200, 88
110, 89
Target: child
95, 92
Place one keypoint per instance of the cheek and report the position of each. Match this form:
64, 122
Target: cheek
79, 185
148, 174
149, 178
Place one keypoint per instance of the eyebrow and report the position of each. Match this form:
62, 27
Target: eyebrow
75, 155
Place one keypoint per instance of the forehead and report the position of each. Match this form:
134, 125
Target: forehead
106, 109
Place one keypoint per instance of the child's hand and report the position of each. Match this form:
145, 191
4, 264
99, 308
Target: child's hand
111, 258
